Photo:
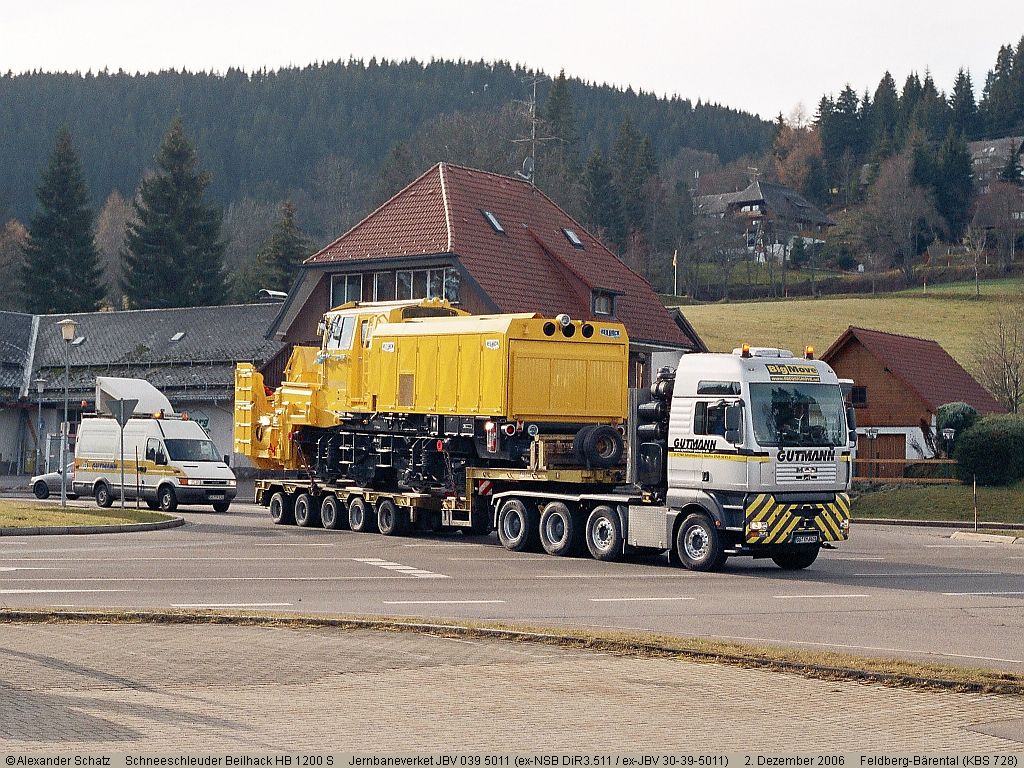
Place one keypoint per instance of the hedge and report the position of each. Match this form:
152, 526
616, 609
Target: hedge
992, 450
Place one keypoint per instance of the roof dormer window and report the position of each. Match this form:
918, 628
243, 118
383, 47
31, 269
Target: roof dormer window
493, 221
573, 238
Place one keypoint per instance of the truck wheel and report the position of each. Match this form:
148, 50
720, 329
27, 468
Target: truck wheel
604, 534
166, 499
306, 513
517, 526
797, 559
332, 514
104, 498
698, 544
360, 517
602, 446
559, 531
281, 509
221, 506
390, 520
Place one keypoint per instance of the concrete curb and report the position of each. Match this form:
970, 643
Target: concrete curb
1009, 684
993, 538
64, 530
936, 523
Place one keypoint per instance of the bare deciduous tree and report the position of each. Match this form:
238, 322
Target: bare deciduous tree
13, 236
1000, 360
110, 228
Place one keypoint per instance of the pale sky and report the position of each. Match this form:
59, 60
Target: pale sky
764, 56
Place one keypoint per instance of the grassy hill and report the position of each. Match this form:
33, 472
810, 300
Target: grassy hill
954, 319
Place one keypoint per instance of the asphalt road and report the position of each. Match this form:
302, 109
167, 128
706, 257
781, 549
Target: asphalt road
906, 592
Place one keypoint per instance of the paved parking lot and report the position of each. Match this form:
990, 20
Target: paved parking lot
217, 688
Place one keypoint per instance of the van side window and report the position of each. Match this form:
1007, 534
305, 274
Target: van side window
709, 419
155, 452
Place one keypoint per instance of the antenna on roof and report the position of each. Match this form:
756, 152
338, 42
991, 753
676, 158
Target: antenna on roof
530, 163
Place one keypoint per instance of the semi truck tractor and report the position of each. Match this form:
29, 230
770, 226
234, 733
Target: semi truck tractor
417, 416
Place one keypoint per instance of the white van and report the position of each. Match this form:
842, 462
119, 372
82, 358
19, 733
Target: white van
168, 460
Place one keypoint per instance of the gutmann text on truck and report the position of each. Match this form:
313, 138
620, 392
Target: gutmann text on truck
413, 415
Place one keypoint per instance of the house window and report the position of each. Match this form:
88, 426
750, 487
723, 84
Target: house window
603, 303
346, 288
493, 221
384, 286
573, 238
434, 283
859, 397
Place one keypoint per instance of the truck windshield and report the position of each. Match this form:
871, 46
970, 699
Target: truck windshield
798, 414
192, 450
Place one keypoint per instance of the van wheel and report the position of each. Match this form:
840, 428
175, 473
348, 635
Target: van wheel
604, 534
104, 498
360, 517
698, 544
166, 499
518, 526
154, 505
390, 520
221, 506
332, 514
558, 529
281, 509
306, 513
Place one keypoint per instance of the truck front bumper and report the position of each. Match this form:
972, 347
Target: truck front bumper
768, 522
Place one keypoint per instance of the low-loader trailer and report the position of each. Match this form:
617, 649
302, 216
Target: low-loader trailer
416, 416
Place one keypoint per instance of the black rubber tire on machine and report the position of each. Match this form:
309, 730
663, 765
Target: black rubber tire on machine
480, 517
603, 534
796, 560
598, 445
221, 506
698, 544
280, 507
518, 526
305, 510
361, 517
333, 515
559, 530
104, 498
41, 489
390, 520
153, 504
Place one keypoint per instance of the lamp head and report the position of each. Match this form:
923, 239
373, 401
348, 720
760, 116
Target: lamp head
40, 384
68, 329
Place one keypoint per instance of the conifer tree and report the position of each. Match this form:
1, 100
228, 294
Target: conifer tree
954, 186
602, 206
61, 271
885, 112
962, 104
1012, 171
287, 247
173, 249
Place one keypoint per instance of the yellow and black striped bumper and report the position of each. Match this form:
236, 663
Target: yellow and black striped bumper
769, 522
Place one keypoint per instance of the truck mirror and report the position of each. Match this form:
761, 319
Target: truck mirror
851, 423
227, 459
733, 423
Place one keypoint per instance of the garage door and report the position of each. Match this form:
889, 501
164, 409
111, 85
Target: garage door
882, 447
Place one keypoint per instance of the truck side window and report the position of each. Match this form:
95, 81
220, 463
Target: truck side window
342, 331
709, 419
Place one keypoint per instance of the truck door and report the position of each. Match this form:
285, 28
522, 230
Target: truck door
722, 467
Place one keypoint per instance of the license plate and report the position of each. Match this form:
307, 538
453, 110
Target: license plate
806, 538
215, 496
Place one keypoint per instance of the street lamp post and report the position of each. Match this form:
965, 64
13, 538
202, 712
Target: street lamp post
68, 330
40, 385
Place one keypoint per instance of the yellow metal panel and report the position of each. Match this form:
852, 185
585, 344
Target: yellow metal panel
493, 366
426, 374
469, 380
447, 374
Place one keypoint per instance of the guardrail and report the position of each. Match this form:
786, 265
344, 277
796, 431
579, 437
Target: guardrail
922, 471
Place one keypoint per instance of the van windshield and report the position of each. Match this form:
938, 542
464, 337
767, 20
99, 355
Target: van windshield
798, 414
192, 450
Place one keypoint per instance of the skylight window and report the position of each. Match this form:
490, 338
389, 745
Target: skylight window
493, 221
178, 336
573, 238
78, 341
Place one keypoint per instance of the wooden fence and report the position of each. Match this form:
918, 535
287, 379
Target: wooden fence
910, 471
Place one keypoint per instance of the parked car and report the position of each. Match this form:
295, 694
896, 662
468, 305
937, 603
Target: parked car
43, 485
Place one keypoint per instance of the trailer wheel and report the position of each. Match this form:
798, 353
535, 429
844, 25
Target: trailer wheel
796, 560
281, 509
360, 518
389, 519
559, 530
517, 526
104, 498
306, 513
698, 544
604, 534
331, 516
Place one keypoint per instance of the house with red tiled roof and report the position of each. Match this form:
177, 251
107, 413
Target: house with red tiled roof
898, 384
488, 243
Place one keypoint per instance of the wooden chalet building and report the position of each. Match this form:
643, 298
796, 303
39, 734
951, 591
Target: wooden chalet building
487, 243
898, 384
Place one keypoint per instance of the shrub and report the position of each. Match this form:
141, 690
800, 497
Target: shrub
992, 450
957, 416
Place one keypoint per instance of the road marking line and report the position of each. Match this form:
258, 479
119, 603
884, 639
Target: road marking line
635, 599
925, 573
405, 570
865, 648
812, 597
856, 558
963, 546
966, 594
442, 602
30, 568
52, 592
296, 544
308, 559
229, 605
609, 576
521, 558
382, 576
